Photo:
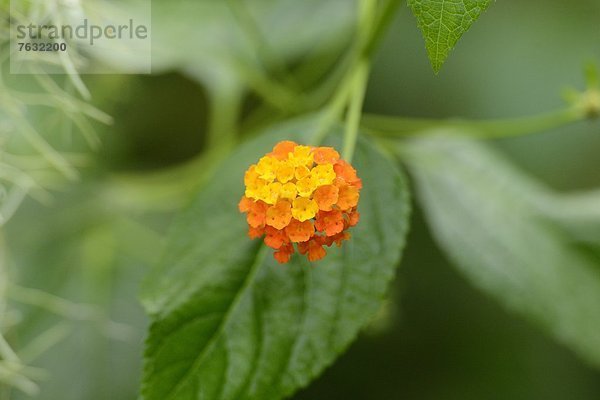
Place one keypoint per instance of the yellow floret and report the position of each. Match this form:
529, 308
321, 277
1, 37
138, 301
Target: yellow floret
304, 209
302, 156
273, 193
259, 190
323, 174
288, 191
301, 172
251, 176
306, 186
267, 168
285, 172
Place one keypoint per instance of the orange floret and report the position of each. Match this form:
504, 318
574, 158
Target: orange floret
326, 196
347, 173
301, 197
330, 222
257, 214
284, 253
326, 155
313, 249
353, 218
316, 252
283, 149
255, 233
347, 197
300, 231
245, 204
339, 238
275, 238
279, 215
330, 240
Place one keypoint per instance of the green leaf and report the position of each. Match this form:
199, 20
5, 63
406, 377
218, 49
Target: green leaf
486, 216
228, 322
225, 51
578, 215
443, 22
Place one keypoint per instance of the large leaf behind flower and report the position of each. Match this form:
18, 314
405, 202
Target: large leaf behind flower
500, 229
228, 322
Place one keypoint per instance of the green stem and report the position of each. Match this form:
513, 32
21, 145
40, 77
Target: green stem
225, 108
367, 36
7, 352
3, 278
354, 112
491, 129
353, 84
13, 378
331, 114
40, 145
384, 18
45, 341
70, 310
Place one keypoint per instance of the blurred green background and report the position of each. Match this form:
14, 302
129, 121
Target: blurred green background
438, 338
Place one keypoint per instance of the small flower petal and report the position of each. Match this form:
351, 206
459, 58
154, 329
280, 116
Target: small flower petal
284, 253
245, 204
301, 172
299, 231
326, 196
326, 155
282, 150
255, 233
267, 167
275, 238
330, 222
279, 215
353, 218
257, 214
306, 186
285, 172
323, 174
304, 209
346, 172
313, 249
288, 191
347, 197
302, 156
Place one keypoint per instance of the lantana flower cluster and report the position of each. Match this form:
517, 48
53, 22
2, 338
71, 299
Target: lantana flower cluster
301, 195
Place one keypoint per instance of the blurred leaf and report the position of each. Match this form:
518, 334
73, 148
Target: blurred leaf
221, 52
578, 215
48, 244
443, 22
485, 215
228, 322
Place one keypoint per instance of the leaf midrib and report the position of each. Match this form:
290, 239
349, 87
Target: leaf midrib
254, 268
439, 35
